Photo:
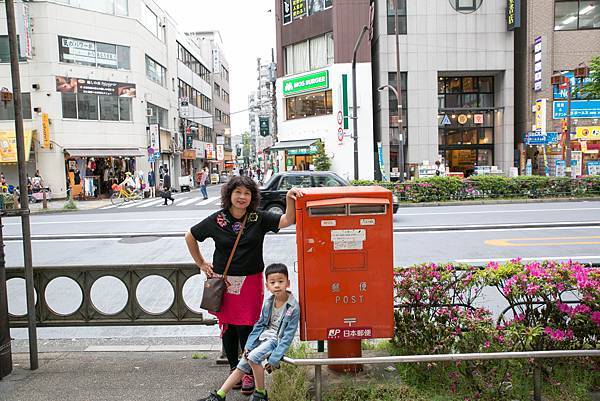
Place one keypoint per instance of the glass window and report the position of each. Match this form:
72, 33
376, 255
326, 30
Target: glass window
156, 72
121, 7
106, 55
326, 181
330, 54
313, 104
565, 15
5, 50
125, 109
109, 108
87, 106
469, 84
486, 136
150, 21
123, 57
589, 14
8, 112
470, 137
485, 157
486, 84
69, 105
103, 6
466, 5
298, 181
391, 23
85, 52
486, 100
318, 52
469, 100
454, 85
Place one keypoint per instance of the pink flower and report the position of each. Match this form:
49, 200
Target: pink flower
596, 318
532, 289
493, 265
582, 309
487, 344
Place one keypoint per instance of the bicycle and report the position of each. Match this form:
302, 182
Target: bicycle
121, 195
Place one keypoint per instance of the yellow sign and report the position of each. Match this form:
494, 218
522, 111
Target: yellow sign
462, 119
45, 131
592, 133
540, 115
8, 146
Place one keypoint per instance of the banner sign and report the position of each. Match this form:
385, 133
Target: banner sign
154, 133
298, 9
579, 109
591, 133
561, 91
537, 64
220, 152
45, 131
306, 83
8, 146
513, 14
540, 115
210, 151
593, 167
94, 87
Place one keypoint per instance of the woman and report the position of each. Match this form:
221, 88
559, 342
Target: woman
243, 300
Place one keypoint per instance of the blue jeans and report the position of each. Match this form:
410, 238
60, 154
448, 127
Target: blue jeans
257, 355
203, 190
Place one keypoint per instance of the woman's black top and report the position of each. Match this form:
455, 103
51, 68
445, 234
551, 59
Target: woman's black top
223, 228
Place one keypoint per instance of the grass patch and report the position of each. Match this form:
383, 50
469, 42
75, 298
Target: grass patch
195, 355
374, 391
70, 205
291, 383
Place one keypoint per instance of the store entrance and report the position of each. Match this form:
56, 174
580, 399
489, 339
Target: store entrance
93, 177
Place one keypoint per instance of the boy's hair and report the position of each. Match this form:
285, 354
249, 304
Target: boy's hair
276, 268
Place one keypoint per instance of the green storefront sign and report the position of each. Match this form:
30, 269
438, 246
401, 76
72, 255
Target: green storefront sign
312, 150
306, 83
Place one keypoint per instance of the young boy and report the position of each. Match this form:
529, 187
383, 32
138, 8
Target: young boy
270, 338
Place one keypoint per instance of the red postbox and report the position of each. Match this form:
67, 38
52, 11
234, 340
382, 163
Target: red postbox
344, 237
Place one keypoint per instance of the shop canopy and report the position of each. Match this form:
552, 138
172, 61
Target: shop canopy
289, 145
105, 152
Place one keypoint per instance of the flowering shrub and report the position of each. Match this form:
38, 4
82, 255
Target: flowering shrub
451, 188
550, 306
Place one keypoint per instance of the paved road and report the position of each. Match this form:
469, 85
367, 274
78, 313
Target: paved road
472, 245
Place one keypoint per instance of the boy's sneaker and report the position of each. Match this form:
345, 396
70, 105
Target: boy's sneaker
213, 397
256, 396
247, 384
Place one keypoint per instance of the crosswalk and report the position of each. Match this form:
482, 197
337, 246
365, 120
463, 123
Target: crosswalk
187, 201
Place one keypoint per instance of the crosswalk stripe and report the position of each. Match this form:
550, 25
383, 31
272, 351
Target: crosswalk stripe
208, 201
107, 207
134, 204
187, 201
154, 203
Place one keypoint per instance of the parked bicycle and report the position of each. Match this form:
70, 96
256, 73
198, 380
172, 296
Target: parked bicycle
122, 194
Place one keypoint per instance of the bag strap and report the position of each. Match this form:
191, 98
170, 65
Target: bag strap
237, 240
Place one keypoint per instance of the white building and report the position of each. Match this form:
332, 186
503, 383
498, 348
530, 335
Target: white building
315, 42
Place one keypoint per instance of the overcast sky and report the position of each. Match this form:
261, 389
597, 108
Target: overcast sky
248, 31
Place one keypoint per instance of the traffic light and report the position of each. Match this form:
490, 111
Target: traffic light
189, 140
239, 152
264, 126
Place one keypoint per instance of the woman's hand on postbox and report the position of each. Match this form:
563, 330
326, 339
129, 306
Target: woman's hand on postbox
294, 193
207, 268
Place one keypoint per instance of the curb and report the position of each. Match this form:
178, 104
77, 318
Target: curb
498, 202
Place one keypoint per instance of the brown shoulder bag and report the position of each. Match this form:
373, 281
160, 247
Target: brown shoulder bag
214, 288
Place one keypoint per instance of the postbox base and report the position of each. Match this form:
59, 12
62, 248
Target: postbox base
344, 349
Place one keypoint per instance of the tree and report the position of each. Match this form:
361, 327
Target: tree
591, 90
321, 160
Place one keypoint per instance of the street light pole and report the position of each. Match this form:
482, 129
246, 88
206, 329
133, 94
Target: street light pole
398, 92
354, 106
390, 87
24, 198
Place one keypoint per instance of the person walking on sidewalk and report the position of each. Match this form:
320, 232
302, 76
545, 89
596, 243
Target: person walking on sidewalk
166, 191
152, 183
202, 175
271, 336
242, 302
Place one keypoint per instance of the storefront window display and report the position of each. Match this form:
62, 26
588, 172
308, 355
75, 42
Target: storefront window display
92, 177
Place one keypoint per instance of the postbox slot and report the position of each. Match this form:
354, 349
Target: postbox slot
327, 210
349, 261
367, 209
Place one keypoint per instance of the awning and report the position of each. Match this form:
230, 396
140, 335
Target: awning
299, 144
105, 152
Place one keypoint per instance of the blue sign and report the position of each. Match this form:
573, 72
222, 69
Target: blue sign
579, 109
446, 120
539, 138
563, 93
593, 167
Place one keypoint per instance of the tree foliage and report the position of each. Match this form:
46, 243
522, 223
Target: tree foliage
321, 160
592, 89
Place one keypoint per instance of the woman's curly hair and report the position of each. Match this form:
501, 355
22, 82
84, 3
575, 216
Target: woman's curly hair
240, 181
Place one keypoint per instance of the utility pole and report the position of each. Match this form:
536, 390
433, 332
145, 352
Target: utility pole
398, 96
24, 201
568, 168
354, 105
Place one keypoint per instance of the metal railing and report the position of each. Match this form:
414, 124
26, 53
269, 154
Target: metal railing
537, 377
131, 314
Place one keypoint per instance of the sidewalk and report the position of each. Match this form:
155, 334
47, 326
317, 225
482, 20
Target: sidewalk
74, 374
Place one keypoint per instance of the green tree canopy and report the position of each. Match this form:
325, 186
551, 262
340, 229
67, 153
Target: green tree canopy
321, 160
591, 90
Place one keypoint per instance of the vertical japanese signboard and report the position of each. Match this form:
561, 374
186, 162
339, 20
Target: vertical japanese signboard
513, 14
298, 9
45, 131
537, 64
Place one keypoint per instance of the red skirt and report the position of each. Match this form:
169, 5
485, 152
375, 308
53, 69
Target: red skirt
242, 302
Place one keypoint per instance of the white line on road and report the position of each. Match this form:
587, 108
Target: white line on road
187, 201
108, 207
153, 203
491, 230
527, 259
134, 204
208, 201
500, 211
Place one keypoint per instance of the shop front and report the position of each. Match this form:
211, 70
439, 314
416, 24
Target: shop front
587, 141
298, 155
92, 172
466, 122
8, 157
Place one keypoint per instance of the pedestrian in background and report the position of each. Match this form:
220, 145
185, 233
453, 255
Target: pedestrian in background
152, 183
242, 302
166, 190
202, 176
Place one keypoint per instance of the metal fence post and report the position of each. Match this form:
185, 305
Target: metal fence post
5, 345
537, 382
318, 383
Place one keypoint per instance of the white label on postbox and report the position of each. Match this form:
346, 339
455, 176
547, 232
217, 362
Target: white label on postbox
348, 235
328, 223
347, 245
367, 222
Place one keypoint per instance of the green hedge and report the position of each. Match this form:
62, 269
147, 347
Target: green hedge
476, 187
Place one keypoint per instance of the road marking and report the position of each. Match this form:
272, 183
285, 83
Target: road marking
528, 259
187, 201
544, 241
107, 207
154, 203
135, 204
208, 201
491, 230
499, 211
